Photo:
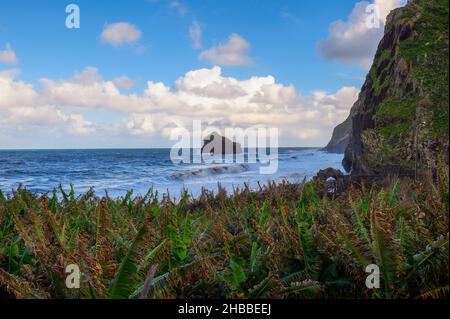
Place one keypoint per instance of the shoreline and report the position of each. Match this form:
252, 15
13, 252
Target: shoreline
121, 171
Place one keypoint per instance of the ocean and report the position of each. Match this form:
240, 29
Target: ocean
117, 171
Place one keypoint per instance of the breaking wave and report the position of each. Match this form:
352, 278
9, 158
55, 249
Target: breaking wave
216, 170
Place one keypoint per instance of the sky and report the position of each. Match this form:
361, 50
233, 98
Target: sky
135, 70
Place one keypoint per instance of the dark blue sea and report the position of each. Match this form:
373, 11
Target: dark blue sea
120, 170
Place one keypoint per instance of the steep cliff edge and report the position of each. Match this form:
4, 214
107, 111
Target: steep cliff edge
400, 121
340, 138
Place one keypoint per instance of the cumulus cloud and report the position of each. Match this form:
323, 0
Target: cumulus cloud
24, 109
334, 106
232, 52
8, 56
209, 83
339, 101
89, 75
386, 6
121, 33
354, 41
203, 94
84, 89
141, 124
15, 93
124, 82
195, 34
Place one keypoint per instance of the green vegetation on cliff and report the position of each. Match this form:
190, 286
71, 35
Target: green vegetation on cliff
381, 66
402, 114
428, 53
421, 115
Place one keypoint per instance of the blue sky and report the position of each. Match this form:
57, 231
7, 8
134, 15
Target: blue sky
282, 39
284, 35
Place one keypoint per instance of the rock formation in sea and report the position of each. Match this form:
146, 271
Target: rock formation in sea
220, 145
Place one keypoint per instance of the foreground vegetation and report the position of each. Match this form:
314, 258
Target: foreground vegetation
284, 241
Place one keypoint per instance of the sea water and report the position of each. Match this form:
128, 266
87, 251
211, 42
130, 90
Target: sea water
120, 170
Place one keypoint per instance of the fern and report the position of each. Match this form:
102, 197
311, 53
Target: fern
125, 279
436, 293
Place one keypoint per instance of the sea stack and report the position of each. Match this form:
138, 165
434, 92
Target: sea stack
216, 144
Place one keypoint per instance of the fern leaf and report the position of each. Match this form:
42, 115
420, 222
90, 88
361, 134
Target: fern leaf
125, 278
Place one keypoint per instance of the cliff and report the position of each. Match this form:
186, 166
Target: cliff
340, 138
400, 121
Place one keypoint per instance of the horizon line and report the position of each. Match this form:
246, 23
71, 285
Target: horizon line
120, 148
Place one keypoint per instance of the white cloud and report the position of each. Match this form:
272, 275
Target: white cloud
124, 82
195, 34
15, 93
141, 124
203, 94
209, 83
232, 52
386, 6
84, 89
8, 56
352, 41
308, 133
9, 73
89, 75
340, 100
23, 109
118, 34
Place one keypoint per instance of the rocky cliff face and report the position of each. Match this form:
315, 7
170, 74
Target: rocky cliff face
400, 121
340, 138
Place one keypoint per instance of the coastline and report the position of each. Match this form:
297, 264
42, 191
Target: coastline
119, 171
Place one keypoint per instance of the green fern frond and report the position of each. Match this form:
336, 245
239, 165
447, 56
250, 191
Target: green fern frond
125, 279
